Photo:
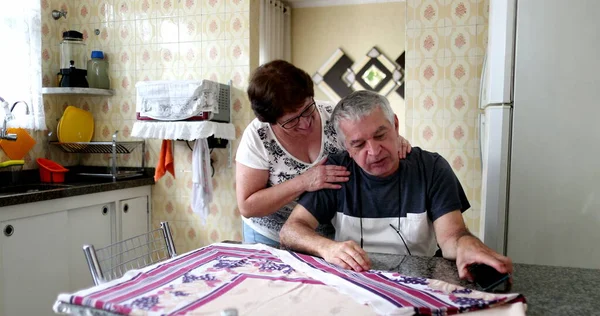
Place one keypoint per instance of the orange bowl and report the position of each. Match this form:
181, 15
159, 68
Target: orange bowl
51, 171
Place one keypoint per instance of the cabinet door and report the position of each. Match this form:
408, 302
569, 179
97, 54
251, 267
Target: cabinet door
33, 264
134, 217
87, 225
134, 222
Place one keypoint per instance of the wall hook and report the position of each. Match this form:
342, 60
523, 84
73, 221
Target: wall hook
57, 14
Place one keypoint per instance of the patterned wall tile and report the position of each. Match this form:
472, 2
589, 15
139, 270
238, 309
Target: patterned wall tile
168, 8
146, 56
239, 76
238, 25
191, 57
169, 56
428, 133
462, 12
459, 104
124, 59
428, 13
213, 6
482, 38
458, 133
190, 7
463, 72
190, 28
122, 81
483, 12
167, 30
145, 9
431, 43
429, 104
168, 74
214, 53
236, 5
104, 11
462, 41
238, 53
457, 76
412, 42
460, 162
146, 31
124, 10
429, 74
214, 26
124, 33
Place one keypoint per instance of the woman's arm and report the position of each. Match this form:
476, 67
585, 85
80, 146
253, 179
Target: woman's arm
256, 200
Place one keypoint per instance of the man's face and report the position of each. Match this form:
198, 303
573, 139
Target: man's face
373, 143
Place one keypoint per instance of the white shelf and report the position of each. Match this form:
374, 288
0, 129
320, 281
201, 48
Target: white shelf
78, 91
182, 130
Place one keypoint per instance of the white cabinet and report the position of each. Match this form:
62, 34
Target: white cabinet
41, 244
33, 270
88, 225
134, 217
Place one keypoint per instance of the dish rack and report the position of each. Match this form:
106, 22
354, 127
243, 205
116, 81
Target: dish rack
113, 148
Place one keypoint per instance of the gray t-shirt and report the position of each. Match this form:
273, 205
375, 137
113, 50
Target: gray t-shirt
423, 189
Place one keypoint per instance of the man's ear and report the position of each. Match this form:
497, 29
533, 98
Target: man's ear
396, 124
349, 152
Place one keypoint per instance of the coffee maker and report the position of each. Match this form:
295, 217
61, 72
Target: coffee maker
73, 60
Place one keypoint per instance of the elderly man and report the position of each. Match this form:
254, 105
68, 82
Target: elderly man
388, 205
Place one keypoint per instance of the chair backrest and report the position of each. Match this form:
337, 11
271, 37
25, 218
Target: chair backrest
112, 261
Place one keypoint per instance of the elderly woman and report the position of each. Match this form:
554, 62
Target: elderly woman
282, 152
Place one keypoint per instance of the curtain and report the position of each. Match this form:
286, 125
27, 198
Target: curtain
275, 31
21, 62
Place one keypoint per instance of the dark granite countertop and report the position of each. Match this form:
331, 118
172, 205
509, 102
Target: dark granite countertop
73, 186
548, 290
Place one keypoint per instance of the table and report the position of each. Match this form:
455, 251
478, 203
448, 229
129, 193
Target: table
549, 290
260, 280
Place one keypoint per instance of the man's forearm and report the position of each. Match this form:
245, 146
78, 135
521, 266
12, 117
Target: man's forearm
300, 237
450, 247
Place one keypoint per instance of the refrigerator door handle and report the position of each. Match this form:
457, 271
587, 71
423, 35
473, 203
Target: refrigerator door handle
482, 83
481, 130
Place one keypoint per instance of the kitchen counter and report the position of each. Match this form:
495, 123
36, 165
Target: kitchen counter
548, 290
73, 186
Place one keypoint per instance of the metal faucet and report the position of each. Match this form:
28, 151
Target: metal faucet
8, 116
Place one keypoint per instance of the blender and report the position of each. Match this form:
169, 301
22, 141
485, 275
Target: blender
73, 60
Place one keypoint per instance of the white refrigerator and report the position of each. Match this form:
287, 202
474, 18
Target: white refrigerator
540, 132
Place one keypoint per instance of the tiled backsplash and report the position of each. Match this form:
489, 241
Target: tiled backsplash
157, 40
446, 41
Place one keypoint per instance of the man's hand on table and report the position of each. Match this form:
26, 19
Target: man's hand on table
471, 250
346, 254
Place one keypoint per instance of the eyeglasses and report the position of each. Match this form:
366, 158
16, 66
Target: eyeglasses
398, 232
392, 226
307, 112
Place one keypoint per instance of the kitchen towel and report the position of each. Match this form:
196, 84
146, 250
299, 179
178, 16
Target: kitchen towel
165, 160
202, 189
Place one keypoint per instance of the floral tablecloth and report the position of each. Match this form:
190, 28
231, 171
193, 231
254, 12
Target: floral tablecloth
260, 280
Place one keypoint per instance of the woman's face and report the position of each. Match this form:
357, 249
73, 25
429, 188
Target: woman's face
302, 121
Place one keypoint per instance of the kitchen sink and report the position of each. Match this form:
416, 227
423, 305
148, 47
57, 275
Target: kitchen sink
30, 188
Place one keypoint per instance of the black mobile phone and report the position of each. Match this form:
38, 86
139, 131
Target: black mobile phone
488, 279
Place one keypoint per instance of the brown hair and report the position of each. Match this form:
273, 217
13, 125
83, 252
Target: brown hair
276, 88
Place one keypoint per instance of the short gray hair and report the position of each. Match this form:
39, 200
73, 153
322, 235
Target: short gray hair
357, 105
